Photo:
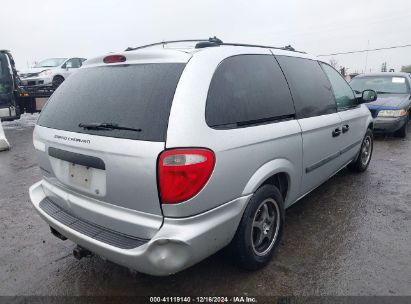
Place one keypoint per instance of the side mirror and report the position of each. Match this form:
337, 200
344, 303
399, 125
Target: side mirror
69, 65
368, 96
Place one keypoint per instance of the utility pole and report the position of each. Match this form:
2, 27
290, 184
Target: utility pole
366, 56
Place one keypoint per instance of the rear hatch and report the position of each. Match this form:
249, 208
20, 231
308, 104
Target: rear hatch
111, 169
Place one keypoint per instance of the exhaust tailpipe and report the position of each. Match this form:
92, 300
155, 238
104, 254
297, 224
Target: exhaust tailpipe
80, 252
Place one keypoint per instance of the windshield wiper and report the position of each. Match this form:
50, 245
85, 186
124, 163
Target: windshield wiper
106, 126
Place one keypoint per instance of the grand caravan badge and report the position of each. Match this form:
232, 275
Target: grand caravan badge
73, 139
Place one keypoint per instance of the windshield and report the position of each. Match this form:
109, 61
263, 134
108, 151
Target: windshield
380, 84
128, 97
50, 63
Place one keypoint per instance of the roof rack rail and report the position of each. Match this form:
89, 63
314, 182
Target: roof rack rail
285, 48
211, 42
163, 43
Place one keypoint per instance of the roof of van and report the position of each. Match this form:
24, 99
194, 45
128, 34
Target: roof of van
183, 54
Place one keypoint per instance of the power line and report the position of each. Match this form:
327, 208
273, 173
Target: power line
368, 50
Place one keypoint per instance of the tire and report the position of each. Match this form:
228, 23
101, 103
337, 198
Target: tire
360, 164
402, 133
250, 253
57, 81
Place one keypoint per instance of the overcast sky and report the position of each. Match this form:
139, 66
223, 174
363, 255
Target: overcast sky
35, 30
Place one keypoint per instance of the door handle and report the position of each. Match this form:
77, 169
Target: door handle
345, 128
336, 132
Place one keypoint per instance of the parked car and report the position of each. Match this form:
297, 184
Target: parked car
9, 82
391, 111
50, 71
168, 155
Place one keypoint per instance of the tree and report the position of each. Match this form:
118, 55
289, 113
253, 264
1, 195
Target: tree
334, 63
406, 68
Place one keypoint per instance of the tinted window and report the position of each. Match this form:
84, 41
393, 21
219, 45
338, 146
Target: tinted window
5, 78
247, 89
309, 85
343, 94
3, 66
135, 96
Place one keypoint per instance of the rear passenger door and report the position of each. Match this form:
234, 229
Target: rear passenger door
317, 115
352, 117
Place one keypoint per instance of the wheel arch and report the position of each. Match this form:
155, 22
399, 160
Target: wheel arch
58, 75
279, 173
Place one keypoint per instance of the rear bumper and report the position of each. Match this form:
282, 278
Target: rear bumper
178, 244
388, 125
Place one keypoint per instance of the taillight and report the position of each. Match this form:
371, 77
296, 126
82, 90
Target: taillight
114, 58
182, 173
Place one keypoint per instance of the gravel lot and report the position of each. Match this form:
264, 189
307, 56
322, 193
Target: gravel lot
351, 236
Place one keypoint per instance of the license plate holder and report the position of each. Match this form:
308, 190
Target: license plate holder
80, 175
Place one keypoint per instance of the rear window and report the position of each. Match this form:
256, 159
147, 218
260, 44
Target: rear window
248, 90
133, 96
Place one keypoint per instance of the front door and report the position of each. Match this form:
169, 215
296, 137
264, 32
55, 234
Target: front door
353, 117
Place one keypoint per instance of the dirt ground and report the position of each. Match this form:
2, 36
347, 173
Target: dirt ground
351, 236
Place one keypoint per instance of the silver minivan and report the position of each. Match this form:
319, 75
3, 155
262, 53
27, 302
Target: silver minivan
156, 158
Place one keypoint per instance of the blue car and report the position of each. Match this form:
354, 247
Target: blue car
391, 111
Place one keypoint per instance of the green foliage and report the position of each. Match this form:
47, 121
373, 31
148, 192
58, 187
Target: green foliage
406, 68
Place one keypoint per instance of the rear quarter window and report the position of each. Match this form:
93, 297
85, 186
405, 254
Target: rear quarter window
135, 96
247, 90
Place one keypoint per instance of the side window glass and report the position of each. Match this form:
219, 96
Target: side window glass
247, 90
309, 86
73, 63
342, 91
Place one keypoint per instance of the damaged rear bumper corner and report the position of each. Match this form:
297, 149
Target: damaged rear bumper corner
179, 243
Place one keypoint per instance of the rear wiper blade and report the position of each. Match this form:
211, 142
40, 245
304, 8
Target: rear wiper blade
105, 126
